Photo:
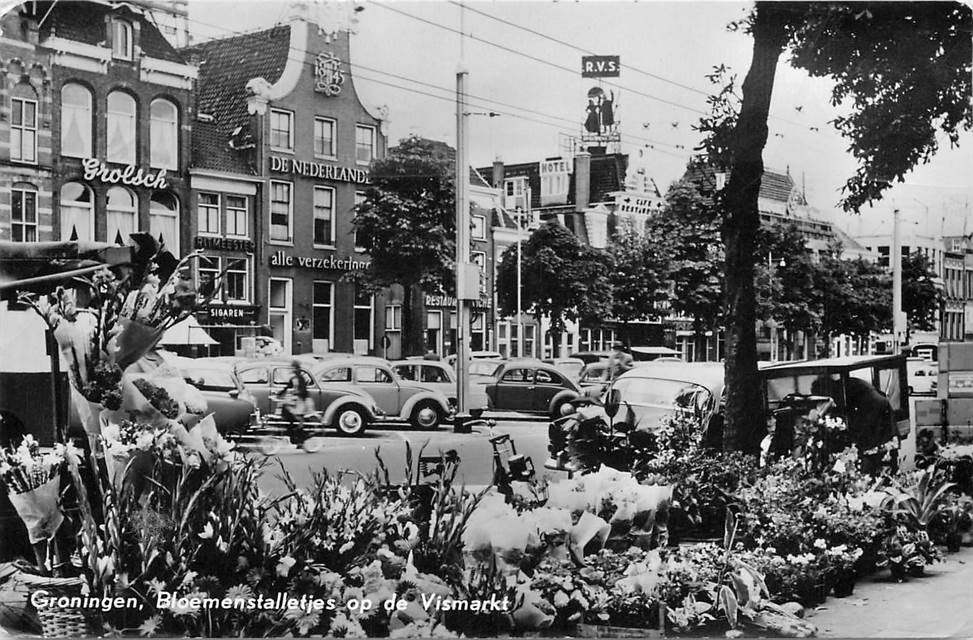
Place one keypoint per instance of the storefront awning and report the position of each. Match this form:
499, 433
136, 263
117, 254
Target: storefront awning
187, 332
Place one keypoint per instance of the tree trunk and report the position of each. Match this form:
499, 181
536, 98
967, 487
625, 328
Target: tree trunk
413, 339
744, 426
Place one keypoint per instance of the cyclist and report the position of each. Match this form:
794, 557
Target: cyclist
296, 404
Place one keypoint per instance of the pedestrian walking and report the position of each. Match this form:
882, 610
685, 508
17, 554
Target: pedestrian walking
296, 400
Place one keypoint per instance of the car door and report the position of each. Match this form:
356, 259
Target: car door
257, 382
514, 390
547, 384
381, 385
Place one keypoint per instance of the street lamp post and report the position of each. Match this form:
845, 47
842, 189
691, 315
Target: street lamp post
520, 286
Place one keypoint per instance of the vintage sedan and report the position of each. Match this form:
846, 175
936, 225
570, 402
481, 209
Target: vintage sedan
399, 400
532, 386
441, 377
232, 406
345, 407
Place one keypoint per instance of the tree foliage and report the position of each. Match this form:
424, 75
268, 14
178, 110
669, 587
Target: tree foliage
785, 279
922, 300
561, 278
640, 273
856, 296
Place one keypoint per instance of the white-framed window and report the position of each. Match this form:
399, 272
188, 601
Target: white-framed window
324, 216
208, 214
163, 134
76, 121
237, 284
479, 259
281, 130
281, 211
364, 144
237, 216
364, 320
207, 271
478, 227
359, 198
393, 317
77, 212
122, 43
164, 220
23, 213
23, 130
324, 137
121, 127
279, 301
323, 312
515, 193
122, 214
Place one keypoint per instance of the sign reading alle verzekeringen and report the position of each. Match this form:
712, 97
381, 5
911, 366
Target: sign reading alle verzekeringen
318, 170
600, 66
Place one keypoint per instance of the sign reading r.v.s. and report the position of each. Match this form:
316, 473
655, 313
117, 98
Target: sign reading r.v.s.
600, 66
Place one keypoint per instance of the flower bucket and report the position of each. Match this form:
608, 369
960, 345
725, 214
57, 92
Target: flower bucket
39, 510
844, 584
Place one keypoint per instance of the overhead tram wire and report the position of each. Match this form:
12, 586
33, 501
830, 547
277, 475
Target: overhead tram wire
451, 96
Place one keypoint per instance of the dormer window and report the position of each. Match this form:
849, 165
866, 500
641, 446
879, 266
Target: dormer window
122, 43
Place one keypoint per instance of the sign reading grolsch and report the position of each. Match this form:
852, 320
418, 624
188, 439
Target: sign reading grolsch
600, 66
94, 168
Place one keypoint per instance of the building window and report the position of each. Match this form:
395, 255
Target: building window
208, 212
323, 303
121, 127
121, 40
393, 317
122, 214
279, 311
76, 121
236, 216
237, 279
77, 212
514, 193
164, 134
281, 209
164, 220
324, 216
23, 130
324, 139
23, 214
479, 227
479, 259
363, 319
364, 144
207, 270
359, 198
281, 130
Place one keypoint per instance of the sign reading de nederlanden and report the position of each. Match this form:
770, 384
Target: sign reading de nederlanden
318, 170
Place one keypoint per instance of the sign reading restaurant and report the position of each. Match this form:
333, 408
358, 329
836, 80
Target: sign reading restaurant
317, 170
331, 263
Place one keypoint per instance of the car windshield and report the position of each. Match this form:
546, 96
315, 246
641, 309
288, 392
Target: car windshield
665, 394
209, 379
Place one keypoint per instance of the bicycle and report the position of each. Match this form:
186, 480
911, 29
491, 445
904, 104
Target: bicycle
275, 427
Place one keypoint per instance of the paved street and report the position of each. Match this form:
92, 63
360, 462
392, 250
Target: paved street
358, 454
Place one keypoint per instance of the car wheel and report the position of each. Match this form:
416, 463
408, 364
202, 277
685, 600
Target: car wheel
271, 445
313, 444
350, 421
426, 415
561, 409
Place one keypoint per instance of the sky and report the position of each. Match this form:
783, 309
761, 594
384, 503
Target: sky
524, 62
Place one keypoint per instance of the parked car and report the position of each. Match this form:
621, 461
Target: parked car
589, 357
441, 377
570, 366
476, 355
231, 404
399, 400
484, 368
344, 407
654, 353
649, 392
533, 386
923, 376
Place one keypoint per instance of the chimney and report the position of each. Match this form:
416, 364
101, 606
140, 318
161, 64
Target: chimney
582, 181
497, 173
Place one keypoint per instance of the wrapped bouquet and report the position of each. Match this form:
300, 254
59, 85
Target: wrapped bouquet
33, 482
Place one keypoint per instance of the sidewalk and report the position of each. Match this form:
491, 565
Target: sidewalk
937, 605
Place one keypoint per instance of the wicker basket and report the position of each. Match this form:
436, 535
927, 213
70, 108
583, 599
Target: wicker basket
57, 623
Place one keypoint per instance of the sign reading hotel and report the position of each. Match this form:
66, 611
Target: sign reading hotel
331, 263
317, 170
129, 175
600, 66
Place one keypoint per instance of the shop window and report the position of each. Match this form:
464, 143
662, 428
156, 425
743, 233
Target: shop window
208, 212
323, 302
76, 121
122, 43
164, 220
164, 134
23, 213
236, 216
324, 216
363, 318
324, 138
77, 212
121, 127
237, 279
364, 144
281, 209
122, 214
281, 130
23, 128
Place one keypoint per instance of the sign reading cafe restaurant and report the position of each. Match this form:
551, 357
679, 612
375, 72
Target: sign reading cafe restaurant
317, 170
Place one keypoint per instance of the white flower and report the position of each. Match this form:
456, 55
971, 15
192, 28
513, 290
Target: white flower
820, 544
284, 566
207, 531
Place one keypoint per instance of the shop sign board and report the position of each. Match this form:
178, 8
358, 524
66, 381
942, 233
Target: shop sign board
128, 175
224, 244
232, 314
600, 66
960, 383
329, 263
308, 169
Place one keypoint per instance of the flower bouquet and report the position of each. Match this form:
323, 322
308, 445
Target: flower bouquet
33, 481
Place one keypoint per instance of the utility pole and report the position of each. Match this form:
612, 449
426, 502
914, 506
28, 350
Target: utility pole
520, 285
898, 327
464, 287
